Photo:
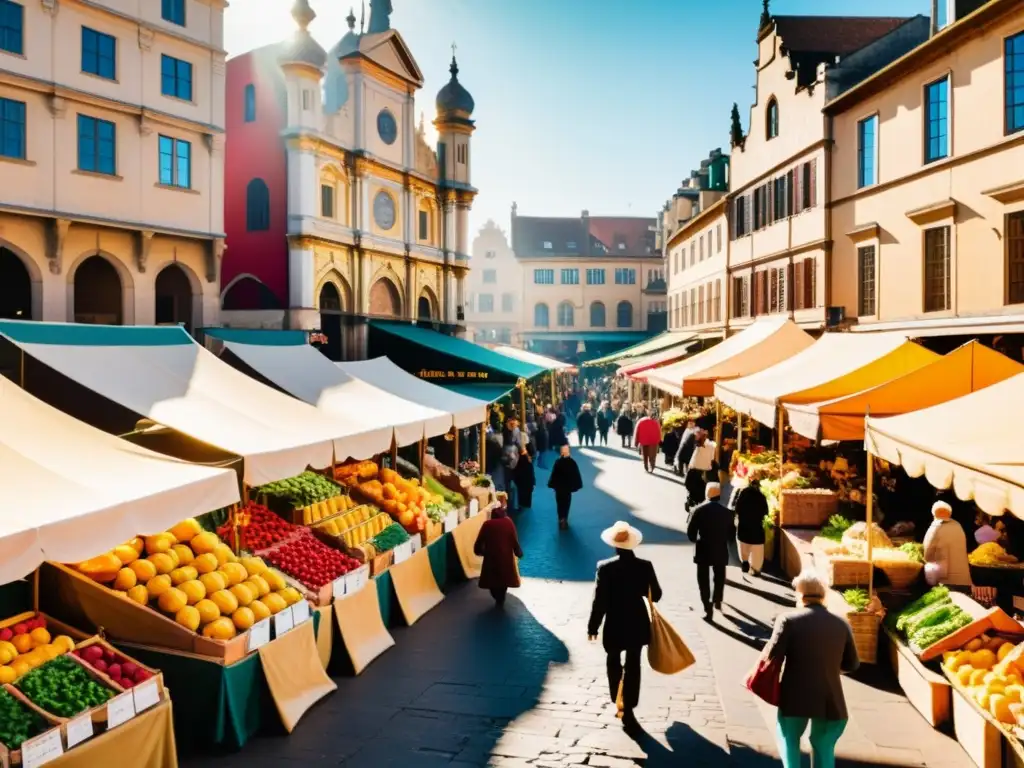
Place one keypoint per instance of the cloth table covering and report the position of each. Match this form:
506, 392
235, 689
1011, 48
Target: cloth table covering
294, 674
145, 741
415, 587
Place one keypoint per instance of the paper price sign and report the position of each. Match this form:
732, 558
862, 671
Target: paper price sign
300, 612
42, 749
416, 543
451, 520
283, 622
120, 709
474, 507
79, 729
340, 586
357, 579
403, 552
146, 695
259, 635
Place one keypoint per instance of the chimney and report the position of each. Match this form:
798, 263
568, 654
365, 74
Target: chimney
515, 208
934, 29
585, 214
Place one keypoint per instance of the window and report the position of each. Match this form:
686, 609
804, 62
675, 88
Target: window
570, 276
741, 296
693, 251
1015, 258
700, 247
175, 162
867, 148
250, 103
781, 199
486, 302
175, 78
257, 206
566, 318
12, 27
424, 222
936, 270
741, 206
595, 277
544, 277
97, 145
547, 245
540, 316
718, 301
507, 300
718, 239
625, 276
306, 101
173, 11
700, 304
1014, 79
772, 119
624, 315
12, 129
866, 281
936, 130
597, 319
490, 276
805, 282
808, 185
99, 54
327, 201
621, 246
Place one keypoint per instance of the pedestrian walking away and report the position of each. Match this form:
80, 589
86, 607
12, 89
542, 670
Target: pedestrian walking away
751, 509
525, 476
687, 442
586, 427
815, 647
622, 584
624, 427
605, 421
564, 480
648, 437
711, 529
700, 465
498, 545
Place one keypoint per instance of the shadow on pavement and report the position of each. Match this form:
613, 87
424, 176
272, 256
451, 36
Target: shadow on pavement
769, 596
744, 633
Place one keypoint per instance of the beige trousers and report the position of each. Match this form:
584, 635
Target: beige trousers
753, 554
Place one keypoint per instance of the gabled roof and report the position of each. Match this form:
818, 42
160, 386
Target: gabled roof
387, 50
530, 233
633, 232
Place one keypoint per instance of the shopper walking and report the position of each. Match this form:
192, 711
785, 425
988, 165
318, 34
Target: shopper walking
648, 437
565, 480
498, 545
556, 432
625, 427
622, 584
701, 463
711, 529
605, 421
751, 509
585, 425
525, 476
815, 647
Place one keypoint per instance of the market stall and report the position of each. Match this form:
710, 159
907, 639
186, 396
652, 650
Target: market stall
664, 340
542, 361
638, 367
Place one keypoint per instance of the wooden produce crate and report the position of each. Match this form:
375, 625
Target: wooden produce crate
12, 757
929, 692
433, 532
865, 634
97, 714
381, 562
53, 626
806, 507
976, 731
993, 621
843, 570
155, 674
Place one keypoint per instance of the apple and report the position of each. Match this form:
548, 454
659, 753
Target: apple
99, 666
6, 634
114, 670
20, 629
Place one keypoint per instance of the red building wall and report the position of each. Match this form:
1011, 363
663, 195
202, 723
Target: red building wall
256, 150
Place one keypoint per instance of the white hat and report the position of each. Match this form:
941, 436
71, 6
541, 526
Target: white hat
941, 506
712, 491
622, 536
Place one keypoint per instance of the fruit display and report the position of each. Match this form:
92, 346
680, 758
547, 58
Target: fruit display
914, 551
298, 492
309, 561
258, 528
339, 524
28, 645
124, 672
18, 723
451, 497
404, 500
930, 618
389, 538
992, 555
63, 688
991, 668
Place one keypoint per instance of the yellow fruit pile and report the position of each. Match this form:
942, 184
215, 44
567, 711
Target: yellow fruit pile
991, 553
992, 669
191, 575
25, 652
314, 513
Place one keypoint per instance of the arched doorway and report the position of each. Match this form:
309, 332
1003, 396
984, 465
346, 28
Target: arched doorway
174, 297
424, 310
247, 292
15, 287
384, 299
330, 320
98, 293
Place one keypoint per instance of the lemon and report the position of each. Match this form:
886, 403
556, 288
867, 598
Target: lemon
188, 616
208, 611
194, 591
243, 618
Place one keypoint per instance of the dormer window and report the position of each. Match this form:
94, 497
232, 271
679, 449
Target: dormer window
772, 118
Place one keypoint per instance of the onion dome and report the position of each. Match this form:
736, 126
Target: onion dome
453, 97
350, 42
302, 48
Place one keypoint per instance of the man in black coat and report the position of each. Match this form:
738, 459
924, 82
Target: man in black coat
622, 584
751, 509
564, 480
711, 529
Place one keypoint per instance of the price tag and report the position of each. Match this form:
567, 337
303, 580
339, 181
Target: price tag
283, 622
300, 612
340, 587
79, 729
120, 709
42, 749
259, 635
146, 695
474, 507
402, 552
357, 579
451, 520
417, 544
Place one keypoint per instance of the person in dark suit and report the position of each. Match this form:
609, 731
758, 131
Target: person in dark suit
622, 584
711, 529
751, 509
564, 480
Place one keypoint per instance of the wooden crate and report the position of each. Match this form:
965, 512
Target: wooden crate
433, 532
865, 634
12, 757
842, 571
929, 692
381, 563
977, 734
806, 507
155, 674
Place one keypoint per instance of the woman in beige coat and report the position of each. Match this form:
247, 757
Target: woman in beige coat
945, 549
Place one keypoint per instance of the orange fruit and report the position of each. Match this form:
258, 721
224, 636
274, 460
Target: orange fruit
23, 643
125, 579
172, 600
206, 562
208, 611
254, 566
194, 591
214, 582
161, 542
139, 594
291, 595
158, 585
187, 529
173, 555
20, 668
243, 594
220, 629
260, 584
224, 554
183, 574
144, 570
259, 610
50, 651
39, 637
243, 618
274, 580
188, 617
137, 543
64, 643
126, 553
225, 601
204, 542
7, 675
274, 602
184, 553
162, 562
235, 573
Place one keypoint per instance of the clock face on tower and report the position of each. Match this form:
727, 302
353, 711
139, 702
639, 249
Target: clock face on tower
387, 127
384, 210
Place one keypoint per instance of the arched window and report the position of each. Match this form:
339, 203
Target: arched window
597, 315
250, 103
772, 118
566, 318
540, 316
257, 206
624, 315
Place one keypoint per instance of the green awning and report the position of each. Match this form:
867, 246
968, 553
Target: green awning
263, 337
489, 393
86, 335
662, 341
442, 359
592, 337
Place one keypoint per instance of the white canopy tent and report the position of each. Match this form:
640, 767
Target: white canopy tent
548, 363
72, 492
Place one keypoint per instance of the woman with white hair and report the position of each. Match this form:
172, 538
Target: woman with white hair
945, 549
816, 647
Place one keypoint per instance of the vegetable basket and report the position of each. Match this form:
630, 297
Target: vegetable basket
843, 570
806, 507
865, 634
901, 574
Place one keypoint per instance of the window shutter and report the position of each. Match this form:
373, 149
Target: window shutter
770, 189
773, 290
798, 287
748, 210
810, 282
798, 194
786, 290
814, 182
745, 308
757, 294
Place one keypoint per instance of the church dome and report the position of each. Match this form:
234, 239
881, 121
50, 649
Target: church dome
453, 97
302, 48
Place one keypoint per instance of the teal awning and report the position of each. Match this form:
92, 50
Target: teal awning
84, 335
664, 340
442, 359
263, 337
593, 337
489, 393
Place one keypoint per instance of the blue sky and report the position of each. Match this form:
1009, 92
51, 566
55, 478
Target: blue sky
597, 104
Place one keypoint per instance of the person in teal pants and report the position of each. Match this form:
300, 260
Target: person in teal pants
816, 647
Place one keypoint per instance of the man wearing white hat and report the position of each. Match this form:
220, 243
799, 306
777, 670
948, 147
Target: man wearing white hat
711, 529
622, 584
945, 549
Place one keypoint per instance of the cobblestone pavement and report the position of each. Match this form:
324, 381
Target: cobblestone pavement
473, 686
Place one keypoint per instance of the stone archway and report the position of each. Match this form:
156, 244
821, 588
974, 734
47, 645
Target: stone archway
99, 294
385, 300
331, 306
174, 301
426, 306
15, 287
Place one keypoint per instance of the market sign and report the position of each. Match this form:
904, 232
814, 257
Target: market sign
472, 375
316, 337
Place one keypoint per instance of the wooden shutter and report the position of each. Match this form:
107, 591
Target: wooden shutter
748, 213
757, 294
770, 188
786, 291
798, 195
798, 287
814, 182
773, 290
810, 282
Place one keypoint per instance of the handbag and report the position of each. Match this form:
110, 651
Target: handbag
667, 653
765, 681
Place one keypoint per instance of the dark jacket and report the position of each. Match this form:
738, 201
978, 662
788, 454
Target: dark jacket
605, 419
624, 426
751, 509
556, 433
585, 422
816, 646
686, 451
711, 528
565, 475
540, 437
524, 474
670, 445
498, 544
622, 584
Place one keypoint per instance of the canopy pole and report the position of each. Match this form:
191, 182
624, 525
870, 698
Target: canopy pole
553, 374
522, 404
394, 453
870, 516
458, 439
718, 432
483, 438
22, 368
739, 432
781, 439
423, 455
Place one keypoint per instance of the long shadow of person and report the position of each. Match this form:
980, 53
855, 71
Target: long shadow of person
689, 747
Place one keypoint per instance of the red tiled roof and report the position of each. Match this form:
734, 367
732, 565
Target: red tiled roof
839, 35
633, 231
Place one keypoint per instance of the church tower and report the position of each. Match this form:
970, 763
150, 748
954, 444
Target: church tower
454, 127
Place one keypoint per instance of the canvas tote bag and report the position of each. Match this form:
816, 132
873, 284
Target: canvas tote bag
667, 652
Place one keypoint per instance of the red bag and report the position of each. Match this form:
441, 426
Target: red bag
765, 681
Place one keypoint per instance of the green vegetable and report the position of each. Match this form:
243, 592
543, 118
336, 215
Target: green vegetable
297, 492
856, 598
63, 688
17, 722
914, 551
928, 636
837, 525
455, 499
389, 538
437, 512
936, 613
933, 595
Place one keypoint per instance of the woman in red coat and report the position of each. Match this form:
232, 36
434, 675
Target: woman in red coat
498, 544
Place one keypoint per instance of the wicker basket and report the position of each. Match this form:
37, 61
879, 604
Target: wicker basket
843, 570
865, 634
900, 575
806, 507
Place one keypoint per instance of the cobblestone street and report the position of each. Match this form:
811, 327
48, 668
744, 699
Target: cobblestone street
472, 686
